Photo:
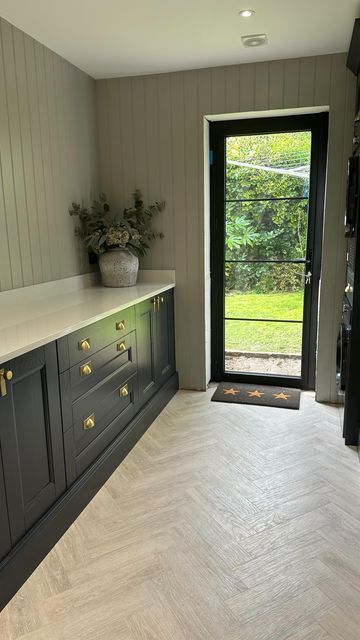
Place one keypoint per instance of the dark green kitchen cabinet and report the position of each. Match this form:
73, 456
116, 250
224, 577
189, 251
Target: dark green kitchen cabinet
70, 412
30, 439
164, 338
5, 539
155, 343
145, 339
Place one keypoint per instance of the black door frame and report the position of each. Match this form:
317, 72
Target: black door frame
317, 123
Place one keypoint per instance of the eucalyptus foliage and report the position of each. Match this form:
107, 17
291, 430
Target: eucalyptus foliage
102, 229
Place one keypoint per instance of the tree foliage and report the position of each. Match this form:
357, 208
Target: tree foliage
259, 226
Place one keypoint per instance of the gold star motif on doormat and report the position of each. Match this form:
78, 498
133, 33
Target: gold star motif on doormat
281, 396
255, 394
230, 392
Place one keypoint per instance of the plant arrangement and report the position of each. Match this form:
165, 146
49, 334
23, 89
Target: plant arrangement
103, 230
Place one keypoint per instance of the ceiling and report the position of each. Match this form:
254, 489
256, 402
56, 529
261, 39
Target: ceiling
110, 38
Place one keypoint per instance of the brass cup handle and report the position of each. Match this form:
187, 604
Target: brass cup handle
120, 326
121, 346
86, 369
89, 423
124, 391
4, 376
84, 345
156, 302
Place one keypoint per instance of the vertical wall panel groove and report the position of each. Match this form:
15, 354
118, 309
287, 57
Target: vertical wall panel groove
8, 187
194, 273
276, 84
127, 135
291, 83
166, 174
155, 259
16, 154
173, 126
37, 157
261, 91
247, 87
27, 156
232, 89
48, 158
5, 261
307, 82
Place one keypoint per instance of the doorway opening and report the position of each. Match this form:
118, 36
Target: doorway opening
267, 197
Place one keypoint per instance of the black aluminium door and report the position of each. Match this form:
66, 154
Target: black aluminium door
267, 199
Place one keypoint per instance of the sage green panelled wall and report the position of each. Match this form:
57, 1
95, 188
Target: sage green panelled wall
48, 158
151, 136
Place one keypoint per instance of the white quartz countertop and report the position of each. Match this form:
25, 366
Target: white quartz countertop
36, 315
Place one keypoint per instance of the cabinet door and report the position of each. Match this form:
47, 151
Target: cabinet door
5, 539
165, 338
31, 438
145, 339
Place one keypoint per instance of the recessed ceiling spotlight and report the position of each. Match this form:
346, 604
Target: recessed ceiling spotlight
255, 40
246, 13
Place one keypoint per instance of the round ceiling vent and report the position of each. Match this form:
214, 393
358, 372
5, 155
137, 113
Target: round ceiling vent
246, 13
255, 40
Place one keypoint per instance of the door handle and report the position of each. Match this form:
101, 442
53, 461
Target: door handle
156, 302
4, 376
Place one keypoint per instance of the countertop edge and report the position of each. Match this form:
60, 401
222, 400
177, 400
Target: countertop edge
67, 330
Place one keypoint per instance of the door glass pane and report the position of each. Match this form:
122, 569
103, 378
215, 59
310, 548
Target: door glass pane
268, 166
266, 220
266, 230
264, 290
263, 347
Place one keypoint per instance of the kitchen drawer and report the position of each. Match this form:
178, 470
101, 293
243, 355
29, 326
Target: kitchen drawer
118, 356
96, 427
82, 344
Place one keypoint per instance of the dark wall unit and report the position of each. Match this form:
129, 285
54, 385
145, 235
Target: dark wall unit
349, 333
353, 59
69, 413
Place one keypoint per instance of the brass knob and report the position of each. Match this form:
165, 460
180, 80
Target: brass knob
4, 376
89, 423
121, 346
120, 326
84, 345
124, 391
86, 369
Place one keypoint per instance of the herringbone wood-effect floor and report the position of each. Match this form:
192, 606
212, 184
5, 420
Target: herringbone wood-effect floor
226, 522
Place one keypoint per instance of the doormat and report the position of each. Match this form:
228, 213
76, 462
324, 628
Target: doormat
257, 394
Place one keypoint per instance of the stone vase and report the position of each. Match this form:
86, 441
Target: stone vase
118, 268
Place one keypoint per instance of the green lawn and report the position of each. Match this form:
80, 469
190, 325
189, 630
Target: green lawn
269, 337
